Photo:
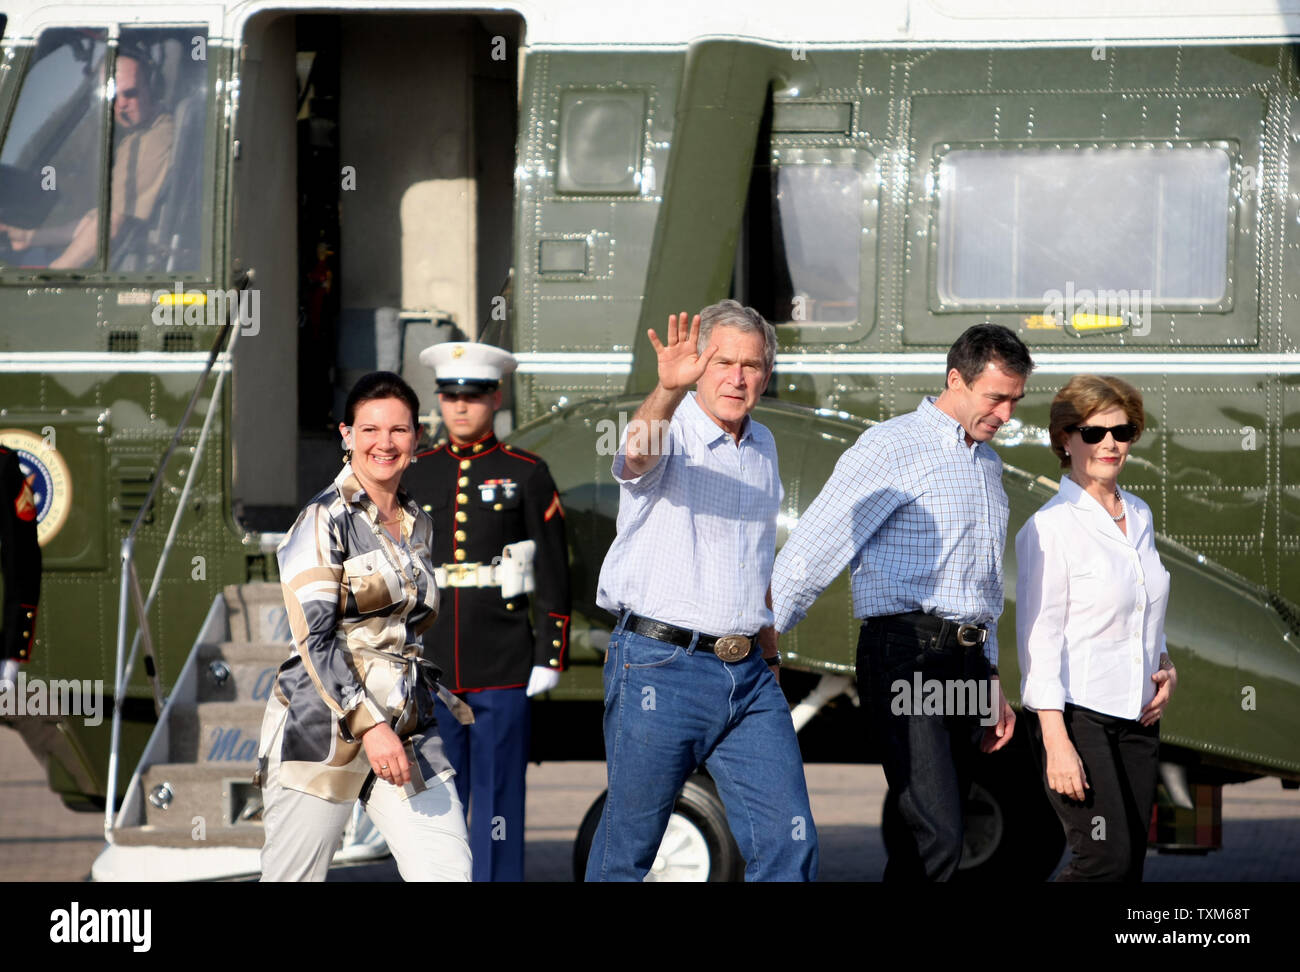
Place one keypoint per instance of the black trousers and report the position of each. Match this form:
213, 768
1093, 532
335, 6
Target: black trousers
928, 759
1107, 831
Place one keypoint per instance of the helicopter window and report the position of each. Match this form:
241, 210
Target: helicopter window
818, 222
1017, 225
601, 136
50, 163
52, 160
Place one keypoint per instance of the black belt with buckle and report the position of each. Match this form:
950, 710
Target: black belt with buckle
927, 626
730, 648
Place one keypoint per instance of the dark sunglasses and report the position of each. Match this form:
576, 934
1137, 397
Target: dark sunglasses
1093, 434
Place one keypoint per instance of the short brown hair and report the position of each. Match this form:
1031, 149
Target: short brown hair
1085, 395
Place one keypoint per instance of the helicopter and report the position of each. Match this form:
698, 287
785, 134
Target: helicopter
320, 190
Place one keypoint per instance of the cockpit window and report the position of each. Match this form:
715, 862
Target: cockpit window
1017, 224
51, 159
159, 121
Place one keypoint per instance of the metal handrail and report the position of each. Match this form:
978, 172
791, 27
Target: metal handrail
130, 585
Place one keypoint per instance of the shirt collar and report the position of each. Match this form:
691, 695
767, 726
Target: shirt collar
1076, 495
1071, 490
354, 494
1086, 503
698, 419
938, 419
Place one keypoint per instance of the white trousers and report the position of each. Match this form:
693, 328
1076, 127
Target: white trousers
425, 833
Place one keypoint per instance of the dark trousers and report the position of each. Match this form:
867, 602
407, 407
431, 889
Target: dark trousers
490, 758
926, 758
1107, 832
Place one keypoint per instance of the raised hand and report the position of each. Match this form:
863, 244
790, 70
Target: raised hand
680, 365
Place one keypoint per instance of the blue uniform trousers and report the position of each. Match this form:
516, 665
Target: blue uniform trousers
490, 758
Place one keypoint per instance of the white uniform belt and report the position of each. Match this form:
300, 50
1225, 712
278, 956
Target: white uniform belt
467, 575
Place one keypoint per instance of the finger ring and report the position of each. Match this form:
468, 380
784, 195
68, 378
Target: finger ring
383, 766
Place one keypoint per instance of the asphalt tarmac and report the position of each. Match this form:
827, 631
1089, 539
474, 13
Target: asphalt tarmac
41, 840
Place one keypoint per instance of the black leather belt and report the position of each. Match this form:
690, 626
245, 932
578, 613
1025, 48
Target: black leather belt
731, 648
945, 633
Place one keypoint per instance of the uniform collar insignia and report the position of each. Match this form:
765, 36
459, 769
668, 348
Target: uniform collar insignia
472, 449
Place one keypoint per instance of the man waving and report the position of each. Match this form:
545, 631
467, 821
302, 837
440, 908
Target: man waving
690, 678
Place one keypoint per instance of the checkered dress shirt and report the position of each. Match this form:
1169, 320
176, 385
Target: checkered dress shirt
920, 519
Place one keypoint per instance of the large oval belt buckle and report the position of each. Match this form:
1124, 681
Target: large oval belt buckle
731, 648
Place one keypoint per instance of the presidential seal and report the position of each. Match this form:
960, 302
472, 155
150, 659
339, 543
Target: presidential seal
47, 490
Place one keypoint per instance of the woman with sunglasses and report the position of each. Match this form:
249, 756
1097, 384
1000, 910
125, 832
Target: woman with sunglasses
1090, 609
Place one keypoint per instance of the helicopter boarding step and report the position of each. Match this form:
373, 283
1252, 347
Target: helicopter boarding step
191, 811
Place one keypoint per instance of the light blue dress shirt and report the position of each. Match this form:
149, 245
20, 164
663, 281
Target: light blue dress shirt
697, 532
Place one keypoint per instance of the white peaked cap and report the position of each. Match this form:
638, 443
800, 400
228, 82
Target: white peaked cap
467, 363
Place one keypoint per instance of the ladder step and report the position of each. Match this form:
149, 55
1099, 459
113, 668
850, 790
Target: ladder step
197, 798
234, 672
256, 612
217, 732
149, 836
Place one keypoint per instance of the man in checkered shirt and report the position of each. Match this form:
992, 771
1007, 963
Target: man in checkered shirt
915, 508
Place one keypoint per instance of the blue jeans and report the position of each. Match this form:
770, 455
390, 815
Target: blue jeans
927, 758
669, 710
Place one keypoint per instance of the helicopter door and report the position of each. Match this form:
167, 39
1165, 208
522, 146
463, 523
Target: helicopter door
390, 229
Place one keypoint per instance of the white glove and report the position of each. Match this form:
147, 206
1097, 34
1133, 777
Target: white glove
542, 680
9, 674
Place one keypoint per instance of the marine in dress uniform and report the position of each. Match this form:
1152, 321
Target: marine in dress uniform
20, 560
483, 496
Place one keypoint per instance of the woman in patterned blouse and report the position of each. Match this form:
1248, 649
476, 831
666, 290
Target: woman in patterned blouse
351, 714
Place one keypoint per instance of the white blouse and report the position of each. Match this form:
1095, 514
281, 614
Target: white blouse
1090, 605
